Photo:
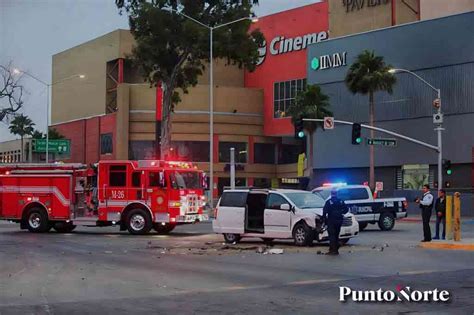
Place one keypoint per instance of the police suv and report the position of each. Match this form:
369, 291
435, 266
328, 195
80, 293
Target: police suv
366, 209
275, 213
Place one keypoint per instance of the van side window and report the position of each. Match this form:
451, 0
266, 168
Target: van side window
233, 199
353, 194
274, 201
118, 175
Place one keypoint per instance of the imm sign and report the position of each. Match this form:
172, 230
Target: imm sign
330, 61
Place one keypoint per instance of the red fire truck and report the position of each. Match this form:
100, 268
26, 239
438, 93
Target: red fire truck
136, 195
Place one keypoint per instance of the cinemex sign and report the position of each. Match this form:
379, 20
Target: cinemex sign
281, 45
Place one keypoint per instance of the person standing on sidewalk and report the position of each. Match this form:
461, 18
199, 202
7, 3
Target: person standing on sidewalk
426, 205
333, 214
440, 208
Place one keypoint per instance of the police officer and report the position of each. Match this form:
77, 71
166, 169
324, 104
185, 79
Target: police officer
333, 213
426, 205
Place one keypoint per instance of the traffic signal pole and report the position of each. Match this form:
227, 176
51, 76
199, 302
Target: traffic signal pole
437, 149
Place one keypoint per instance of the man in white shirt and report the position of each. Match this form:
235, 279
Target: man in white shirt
426, 205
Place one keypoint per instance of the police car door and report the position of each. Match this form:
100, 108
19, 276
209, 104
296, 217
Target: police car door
358, 201
277, 221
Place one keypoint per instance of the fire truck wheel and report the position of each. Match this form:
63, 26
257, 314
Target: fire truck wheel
163, 229
37, 220
138, 222
63, 227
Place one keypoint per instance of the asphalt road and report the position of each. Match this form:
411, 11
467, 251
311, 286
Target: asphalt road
102, 270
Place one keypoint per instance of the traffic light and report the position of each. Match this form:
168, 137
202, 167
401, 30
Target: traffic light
356, 137
447, 167
299, 129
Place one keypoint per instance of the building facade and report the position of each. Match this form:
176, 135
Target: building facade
429, 49
113, 113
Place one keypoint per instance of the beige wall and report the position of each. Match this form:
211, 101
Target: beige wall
79, 98
431, 9
367, 18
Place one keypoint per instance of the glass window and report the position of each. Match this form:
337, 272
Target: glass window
141, 150
191, 151
154, 179
352, 194
233, 199
118, 175
288, 153
240, 151
106, 143
262, 182
136, 179
185, 180
264, 153
323, 193
225, 182
274, 201
284, 94
306, 200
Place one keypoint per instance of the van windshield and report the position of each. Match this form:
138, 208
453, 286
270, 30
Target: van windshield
185, 180
306, 200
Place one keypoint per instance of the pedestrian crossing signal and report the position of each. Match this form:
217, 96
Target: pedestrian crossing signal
356, 134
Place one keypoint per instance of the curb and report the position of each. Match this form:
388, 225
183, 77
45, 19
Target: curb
449, 246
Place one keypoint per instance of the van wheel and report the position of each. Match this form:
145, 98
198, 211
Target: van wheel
386, 221
302, 235
231, 238
363, 225
163, 229
37, 221
63, 227
138, 222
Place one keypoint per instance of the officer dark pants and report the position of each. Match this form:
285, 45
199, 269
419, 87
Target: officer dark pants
440, 220
426, 215
334, 228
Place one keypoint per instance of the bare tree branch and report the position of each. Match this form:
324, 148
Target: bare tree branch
11, 92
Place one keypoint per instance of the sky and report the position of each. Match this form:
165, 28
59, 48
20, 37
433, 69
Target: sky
31, 31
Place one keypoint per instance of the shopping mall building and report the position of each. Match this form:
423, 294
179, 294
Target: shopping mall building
113, 114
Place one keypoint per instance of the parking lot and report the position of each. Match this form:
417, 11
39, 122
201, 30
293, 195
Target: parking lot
191, 270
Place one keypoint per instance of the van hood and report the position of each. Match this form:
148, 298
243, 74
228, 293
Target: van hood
317, 211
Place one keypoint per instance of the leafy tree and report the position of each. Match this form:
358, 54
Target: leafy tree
310, 103
367, 75
22, 126
54, 134
173, 51
37, 135
11, 92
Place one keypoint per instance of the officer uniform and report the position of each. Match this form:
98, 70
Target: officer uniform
333, 214
426, 205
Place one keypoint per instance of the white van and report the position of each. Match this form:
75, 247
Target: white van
275, 213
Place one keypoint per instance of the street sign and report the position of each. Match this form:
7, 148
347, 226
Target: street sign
62, 146
328, 123
384, 142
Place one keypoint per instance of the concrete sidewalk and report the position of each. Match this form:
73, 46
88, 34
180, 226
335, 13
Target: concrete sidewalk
464, 244
465, 220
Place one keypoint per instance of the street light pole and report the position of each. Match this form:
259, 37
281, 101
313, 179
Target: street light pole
211, 92
48, 87
439, 129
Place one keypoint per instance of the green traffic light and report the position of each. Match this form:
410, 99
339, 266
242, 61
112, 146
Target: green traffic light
359, 140
301, 134
449, 172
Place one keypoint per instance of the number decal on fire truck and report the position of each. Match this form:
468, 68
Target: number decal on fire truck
118, 194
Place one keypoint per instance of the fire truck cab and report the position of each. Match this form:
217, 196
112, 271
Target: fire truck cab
135, 195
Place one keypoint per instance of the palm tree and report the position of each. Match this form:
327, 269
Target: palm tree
22, 126
310, 103
367, 75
